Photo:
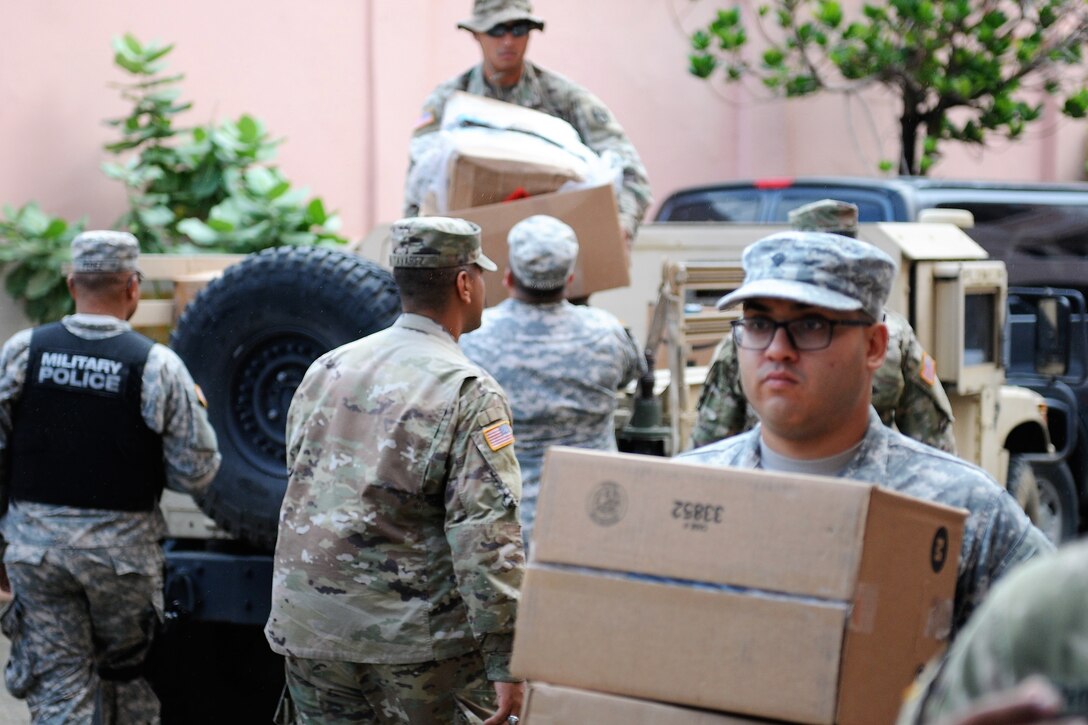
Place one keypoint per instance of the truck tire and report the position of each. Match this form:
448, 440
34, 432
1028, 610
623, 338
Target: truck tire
1023, 486
1058, 505
247, 339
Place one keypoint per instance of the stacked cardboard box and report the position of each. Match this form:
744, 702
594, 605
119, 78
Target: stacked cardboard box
529, 152
550, 705
798, 598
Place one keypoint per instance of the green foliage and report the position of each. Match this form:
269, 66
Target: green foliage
208, 188
987, 61
34, 246
207, 181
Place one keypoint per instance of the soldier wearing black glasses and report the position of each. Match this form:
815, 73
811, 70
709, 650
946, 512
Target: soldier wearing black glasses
502, 27
811, 337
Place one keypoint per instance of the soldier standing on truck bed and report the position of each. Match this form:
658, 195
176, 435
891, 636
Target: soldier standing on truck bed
501, 27
399, 557
906, 390
808, 343
560, 363
94, 420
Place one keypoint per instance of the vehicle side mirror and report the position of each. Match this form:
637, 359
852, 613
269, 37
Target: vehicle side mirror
1053, 322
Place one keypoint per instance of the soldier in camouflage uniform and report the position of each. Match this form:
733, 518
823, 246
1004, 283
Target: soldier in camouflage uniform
94, 420
399, 556
561, 364
812, 388
501, 27
906, 390
1035, 623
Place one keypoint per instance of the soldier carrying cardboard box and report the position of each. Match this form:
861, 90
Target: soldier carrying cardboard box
809, 342
502, 27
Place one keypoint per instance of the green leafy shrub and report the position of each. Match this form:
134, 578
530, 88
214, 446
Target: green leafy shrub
207, 188
35, 248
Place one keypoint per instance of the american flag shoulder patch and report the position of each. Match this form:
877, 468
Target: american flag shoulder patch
499, 435
929, 369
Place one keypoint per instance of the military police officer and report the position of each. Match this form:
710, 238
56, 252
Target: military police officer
399, 555
561, 364
502, 27
94, 420
906, 390
809, 342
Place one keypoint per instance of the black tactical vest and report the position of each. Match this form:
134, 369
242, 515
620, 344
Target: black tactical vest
78, 438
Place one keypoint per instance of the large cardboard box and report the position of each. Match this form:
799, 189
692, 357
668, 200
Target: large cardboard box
485, 175
802, 598
592, 213
550, 705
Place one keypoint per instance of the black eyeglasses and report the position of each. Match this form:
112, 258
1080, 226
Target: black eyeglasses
811, 332
519, 29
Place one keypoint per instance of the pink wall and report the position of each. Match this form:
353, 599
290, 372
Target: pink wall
343, 80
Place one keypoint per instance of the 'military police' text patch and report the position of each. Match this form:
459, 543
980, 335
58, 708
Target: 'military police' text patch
81, 372
499, 435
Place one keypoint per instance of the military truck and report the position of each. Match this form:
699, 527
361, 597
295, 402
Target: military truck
953, 294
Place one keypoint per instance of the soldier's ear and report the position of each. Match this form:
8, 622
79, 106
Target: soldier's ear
876, 346
464, 286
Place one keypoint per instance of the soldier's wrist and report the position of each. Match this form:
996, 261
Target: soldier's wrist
497, 667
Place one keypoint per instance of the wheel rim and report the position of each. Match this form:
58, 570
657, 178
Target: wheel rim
270, 371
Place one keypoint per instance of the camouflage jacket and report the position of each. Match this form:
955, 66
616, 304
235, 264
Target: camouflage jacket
170, 404
399, 538
1034, 623
997, 535
906, 392
555, 95
561, 365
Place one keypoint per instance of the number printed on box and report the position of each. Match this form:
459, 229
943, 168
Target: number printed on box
697, 516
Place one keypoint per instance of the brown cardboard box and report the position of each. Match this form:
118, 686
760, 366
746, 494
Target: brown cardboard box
480, 179
802, 598
602, 253
551, 705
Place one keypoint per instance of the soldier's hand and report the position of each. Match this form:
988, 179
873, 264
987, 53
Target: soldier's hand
1033, 702
510, 695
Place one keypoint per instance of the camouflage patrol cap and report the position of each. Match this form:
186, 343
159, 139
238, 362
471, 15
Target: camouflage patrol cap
542, 252
105, 251
816, 268
436, 242
486, 14
826, 215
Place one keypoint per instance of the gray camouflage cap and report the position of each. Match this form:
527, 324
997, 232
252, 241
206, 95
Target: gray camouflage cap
486, 14
105, 251
542, 252
436, 242
826, 215
816, 268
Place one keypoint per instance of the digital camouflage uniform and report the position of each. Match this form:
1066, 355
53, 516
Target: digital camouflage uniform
997, 535
906, 392
399, 555
561, 365
1035, 622
550, 93
87, 583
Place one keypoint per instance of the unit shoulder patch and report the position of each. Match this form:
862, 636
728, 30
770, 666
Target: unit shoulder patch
928, 371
